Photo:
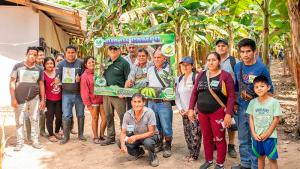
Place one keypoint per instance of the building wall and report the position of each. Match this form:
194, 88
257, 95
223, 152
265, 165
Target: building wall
47, 31
19, 28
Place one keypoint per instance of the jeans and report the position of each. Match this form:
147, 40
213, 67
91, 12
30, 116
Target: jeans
164, 117
134, 149
68, 101
29, 109
244, 135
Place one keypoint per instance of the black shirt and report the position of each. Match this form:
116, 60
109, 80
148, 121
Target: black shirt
206, 103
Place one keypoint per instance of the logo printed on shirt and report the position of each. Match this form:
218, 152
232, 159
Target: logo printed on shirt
29, 76
214, 83
130, 127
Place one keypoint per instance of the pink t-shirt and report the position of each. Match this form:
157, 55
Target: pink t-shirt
52, 91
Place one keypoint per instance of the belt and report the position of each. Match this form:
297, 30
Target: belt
158, 100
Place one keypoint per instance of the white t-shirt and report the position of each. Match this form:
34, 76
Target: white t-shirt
152, 78
183, 92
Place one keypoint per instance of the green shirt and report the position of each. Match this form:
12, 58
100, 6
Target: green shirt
263, 114
117, 72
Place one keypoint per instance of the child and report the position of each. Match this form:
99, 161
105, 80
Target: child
264, 114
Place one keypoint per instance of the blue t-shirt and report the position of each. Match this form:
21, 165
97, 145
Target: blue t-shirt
249, 73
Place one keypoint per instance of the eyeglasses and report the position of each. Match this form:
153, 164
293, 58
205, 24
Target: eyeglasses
112, 48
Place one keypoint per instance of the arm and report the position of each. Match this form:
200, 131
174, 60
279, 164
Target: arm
150, 133
58, 74
177, 99
130, 79
252, 128
42, 94
12, 87
194, 98
270, 130
122, 138
84, 92
126, 70
230, 94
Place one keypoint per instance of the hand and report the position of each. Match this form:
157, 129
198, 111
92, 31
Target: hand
264, 136
191, 115
42, 105
14, 103
131, 139
128, 84
56, 81
227, 121
90, 108
183, 113
77, 78
123, 148
256, 137
121, 96
235, 108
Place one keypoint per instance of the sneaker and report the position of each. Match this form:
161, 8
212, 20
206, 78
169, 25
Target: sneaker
231, 151
107, 142
134, 158
154, 162
218, 166
18, 147
239, 167
206, 165
37, 145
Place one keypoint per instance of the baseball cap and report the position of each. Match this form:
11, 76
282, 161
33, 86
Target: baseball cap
187, 59
222, 40
115, 45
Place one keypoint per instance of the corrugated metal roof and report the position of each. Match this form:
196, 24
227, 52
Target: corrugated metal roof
72, 21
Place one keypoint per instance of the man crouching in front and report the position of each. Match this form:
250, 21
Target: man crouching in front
139, 128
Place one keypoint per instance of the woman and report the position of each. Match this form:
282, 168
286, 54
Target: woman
59, 57
213, 88
53, 100
184, 87
93, 103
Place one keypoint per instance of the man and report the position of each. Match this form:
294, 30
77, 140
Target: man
158, 77
137, 77
227, 64
68, 74
245, 72
116, 74
39, 61
132, 55
27, 96
139, 128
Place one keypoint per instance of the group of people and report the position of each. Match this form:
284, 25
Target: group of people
227, 94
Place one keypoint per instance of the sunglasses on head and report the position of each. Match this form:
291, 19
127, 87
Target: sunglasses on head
112, 48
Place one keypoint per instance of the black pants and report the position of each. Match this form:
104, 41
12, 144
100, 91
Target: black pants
53, 108
134, 149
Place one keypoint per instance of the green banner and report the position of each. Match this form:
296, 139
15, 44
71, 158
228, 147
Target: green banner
167, 43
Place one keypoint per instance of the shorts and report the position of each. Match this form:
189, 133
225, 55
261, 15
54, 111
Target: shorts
265, 148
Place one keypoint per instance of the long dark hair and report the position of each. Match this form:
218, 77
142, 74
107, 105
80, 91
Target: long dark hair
86, 59
46, 60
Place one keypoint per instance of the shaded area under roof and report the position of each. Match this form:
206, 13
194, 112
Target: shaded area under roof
72, 21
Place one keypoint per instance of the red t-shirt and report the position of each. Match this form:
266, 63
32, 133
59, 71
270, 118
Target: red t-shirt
52, 91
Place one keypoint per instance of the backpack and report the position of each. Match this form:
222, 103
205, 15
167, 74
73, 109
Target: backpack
232, 61
193, 77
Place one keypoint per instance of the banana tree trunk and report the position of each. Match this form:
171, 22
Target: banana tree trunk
178, 39
231, 40
294, 15
265, 52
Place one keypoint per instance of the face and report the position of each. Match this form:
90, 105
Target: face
90, 64
212, 62
49, 65
261, 88
247, 54
40, 58
186, 68
59, 59
70, 54
158, 59
137, 103
113, 52
132, 49
31, 56
222, 48
142, 58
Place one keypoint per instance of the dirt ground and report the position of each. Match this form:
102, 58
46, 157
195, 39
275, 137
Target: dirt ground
86, 155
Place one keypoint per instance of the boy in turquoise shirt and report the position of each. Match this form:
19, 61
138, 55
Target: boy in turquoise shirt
264, 112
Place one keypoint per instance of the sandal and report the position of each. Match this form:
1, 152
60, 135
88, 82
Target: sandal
58, 136
186, 158
52, 139
102, 138
96, 140
191, 159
